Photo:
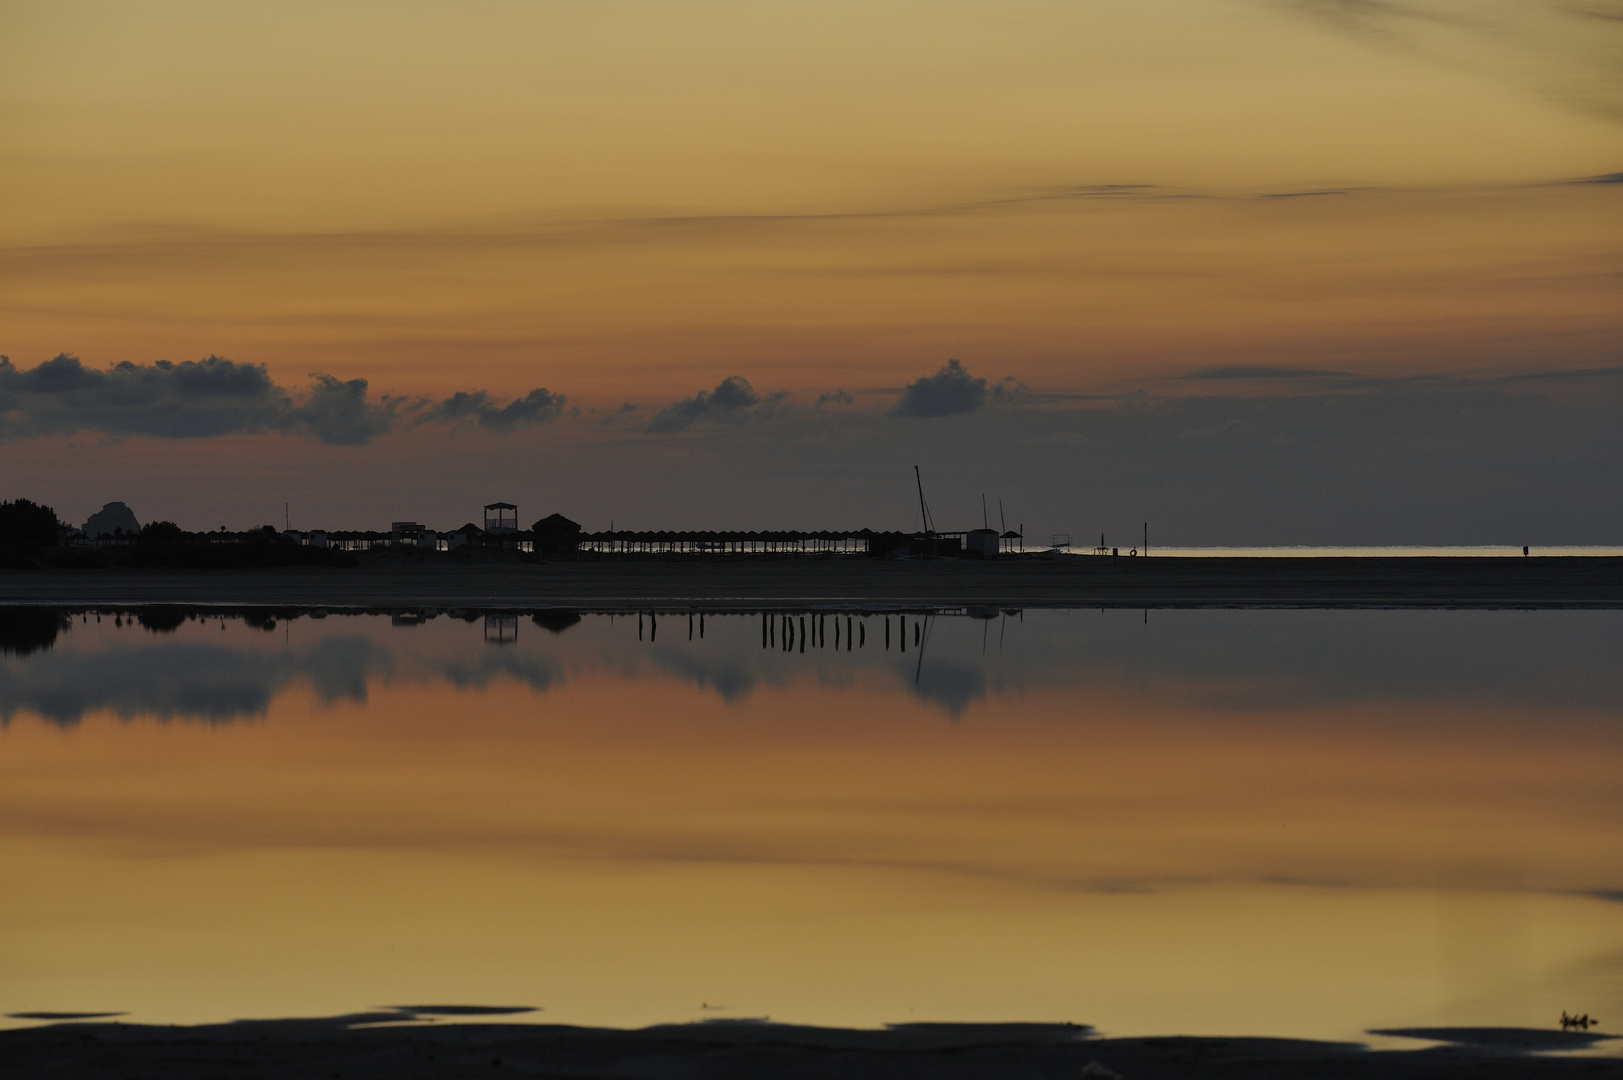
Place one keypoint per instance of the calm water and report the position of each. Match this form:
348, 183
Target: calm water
1239, 822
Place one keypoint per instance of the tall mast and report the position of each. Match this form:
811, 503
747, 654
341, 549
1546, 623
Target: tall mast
924, 511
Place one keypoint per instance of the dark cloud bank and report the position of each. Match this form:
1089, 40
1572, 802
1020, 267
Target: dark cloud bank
1242, 454
212, 397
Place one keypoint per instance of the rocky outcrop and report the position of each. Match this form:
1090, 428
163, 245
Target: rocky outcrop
110, 519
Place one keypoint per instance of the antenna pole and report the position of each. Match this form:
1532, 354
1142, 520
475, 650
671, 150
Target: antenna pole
983, 511
287, 518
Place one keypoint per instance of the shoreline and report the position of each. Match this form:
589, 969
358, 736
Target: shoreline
756, 584
407, 1042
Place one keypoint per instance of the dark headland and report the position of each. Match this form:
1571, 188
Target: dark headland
757, 582
376, 1045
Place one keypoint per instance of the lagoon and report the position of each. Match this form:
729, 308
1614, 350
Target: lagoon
1256, 822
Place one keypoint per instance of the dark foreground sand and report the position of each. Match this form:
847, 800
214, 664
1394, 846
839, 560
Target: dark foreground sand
355, 1047
761, 583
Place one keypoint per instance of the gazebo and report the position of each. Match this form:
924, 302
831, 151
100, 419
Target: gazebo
501, 518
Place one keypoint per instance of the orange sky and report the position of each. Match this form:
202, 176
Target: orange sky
617, 196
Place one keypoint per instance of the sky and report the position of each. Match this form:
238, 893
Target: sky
1255, 271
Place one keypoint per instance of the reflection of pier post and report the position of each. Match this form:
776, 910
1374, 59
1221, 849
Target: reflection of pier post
501, 629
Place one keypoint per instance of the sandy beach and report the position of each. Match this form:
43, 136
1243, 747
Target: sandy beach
378, 1045
764, 583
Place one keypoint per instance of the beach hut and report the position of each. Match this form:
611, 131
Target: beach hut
981, 543
556, 533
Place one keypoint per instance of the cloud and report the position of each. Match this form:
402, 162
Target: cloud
1571, 51
194, 399
536, 407
212, 397
733, 399
339, 412
624, 412
949, 392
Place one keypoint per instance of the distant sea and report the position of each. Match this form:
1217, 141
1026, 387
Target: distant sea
1395, 551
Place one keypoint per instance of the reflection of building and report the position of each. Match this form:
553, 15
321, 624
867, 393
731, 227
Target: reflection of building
501, 629
501, 518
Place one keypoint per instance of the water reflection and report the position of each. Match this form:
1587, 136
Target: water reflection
219, 665
188, 680
1271, 822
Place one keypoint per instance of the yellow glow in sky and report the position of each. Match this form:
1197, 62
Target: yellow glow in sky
582, 196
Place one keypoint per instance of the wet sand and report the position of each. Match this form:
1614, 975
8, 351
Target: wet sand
356, 1048
753, 583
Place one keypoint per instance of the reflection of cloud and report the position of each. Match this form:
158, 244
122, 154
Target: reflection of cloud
215, 396
339, 667
730, 677
181, 680
950, 684
1240, 666
536, 672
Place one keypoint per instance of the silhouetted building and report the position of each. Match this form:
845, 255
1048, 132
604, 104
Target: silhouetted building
556, 534
501, 518
468, 534
981, 543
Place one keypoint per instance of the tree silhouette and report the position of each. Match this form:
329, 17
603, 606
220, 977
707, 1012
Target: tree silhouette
24, 523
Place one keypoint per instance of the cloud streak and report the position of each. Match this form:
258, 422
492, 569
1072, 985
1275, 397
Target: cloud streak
1572, 51
207, 398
